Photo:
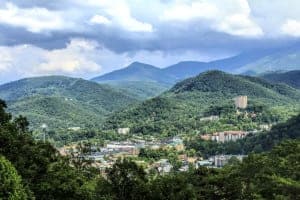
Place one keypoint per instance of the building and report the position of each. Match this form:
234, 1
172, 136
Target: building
163, 166
204, 163
265, 127
210, 118
225, 136
123, 131
175, 142
221, 160
206, 137
76, 128
241, 102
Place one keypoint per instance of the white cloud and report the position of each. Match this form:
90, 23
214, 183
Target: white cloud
239, 25
120, 14
183, 12
78, 59
232, 18
33, 19
291, 27
99, 19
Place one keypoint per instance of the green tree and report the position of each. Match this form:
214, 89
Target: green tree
11, 187
125, 180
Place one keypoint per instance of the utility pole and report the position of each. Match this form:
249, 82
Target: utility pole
44, 128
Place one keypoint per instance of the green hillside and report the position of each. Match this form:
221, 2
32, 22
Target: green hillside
141, 89
258, 143
179, 110
291, 78
63, 102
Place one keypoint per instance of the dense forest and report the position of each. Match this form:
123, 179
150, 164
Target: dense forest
34, 170
291, 78
63, 102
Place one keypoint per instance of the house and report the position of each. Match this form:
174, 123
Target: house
184, 168
175, 142
75, 128
210, 118
123, 131
265, 127
204, 163
206, 137
163, 166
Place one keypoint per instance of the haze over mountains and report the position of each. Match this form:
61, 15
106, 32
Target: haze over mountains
253, 63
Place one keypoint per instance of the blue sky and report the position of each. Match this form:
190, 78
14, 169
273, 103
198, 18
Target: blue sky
85, 38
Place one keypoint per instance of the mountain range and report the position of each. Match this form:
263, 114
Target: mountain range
181, 108
66, 102
63, 101
291, 78
253, 63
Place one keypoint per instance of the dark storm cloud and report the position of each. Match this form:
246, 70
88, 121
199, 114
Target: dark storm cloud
193, 34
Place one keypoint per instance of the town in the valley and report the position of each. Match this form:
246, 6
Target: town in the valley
137, 148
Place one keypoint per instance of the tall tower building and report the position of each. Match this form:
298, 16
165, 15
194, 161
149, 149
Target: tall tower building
241, 102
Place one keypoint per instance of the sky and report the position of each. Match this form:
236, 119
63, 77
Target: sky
87, 38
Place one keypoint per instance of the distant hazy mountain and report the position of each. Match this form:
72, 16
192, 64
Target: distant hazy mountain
63, 102
291, 78
140, 79
282, 60
246, 63
180, 108
183, 70
136, 72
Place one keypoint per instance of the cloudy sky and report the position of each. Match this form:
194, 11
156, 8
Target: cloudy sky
85, 38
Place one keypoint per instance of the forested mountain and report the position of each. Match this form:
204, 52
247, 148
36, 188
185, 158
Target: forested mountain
151, 80
180, 109
62, 101
139, 79
291, 78
141, 89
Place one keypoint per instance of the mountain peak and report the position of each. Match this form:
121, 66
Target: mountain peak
140, 65
136, 71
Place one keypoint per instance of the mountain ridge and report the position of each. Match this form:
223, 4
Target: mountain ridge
255, 62
63, 101
181, 108
291, 78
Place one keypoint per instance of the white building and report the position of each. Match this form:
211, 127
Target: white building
210, 118
123, 131
226, 136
